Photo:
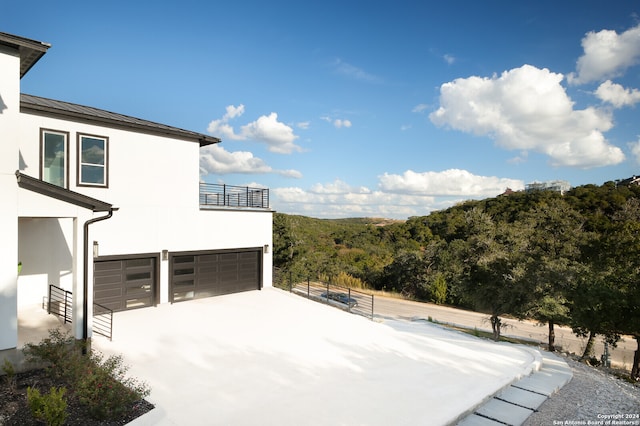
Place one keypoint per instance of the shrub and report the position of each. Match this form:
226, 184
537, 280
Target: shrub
9, 375
60, 352
105, 389
101, 385
439, 289
50, 408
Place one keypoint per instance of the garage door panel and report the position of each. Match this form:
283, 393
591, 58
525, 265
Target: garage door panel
122, 284
215, 274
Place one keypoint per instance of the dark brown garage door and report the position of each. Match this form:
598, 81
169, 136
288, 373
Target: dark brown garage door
194, 276
121, 284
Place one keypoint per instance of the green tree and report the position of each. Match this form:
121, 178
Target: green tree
555, 236
493, 273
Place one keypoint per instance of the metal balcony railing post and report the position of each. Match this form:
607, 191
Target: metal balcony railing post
349, 299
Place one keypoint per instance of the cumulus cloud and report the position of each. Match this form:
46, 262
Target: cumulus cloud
397, 196
452, 182
527, 108
278, 136
635, 150
607, 54
342, 123
337, 199
216, 160
221, 128
617, 95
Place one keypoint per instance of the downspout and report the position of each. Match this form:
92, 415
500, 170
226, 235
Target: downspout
85, 288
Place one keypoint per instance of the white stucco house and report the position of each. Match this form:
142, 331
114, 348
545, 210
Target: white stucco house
111, 208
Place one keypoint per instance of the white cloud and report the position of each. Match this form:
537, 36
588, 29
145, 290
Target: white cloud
420, 108
617, 95
397, 196
607, 54
635, 150
216, 160
527, 108
220, 128
337, 199
278, 136
341, 123
449, 59
452, 182
304, 125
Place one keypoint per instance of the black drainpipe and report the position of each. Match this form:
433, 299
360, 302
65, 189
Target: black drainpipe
85, 299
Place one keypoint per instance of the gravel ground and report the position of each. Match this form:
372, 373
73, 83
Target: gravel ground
591, 397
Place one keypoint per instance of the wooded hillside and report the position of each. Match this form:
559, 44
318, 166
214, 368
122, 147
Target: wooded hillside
569, 259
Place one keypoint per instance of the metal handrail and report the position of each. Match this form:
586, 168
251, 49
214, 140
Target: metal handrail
222, 195
102, 320
322, 292
60, 303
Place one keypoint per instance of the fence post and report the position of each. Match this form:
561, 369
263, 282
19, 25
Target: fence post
349, 299
290, 281
308, 287
372, 307
328, 292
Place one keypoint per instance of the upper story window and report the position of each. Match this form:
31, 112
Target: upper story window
93, 160
54, 157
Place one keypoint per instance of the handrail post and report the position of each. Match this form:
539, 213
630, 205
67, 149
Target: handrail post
49, 301
308, 287
349, 299
65, 307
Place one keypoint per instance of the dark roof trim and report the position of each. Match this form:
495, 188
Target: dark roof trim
37, 105
30, 50
62, 194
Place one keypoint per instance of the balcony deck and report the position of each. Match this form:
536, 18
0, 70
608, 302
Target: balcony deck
213, 195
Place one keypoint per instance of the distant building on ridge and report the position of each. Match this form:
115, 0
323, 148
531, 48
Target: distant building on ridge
560, 186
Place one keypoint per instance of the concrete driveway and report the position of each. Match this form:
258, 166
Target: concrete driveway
273, 358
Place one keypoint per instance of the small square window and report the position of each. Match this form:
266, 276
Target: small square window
93, 160
54, 157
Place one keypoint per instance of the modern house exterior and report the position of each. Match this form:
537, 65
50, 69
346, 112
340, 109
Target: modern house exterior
111, 208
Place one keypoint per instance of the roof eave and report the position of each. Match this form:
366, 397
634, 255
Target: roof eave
30, 50
62, 194
202, 139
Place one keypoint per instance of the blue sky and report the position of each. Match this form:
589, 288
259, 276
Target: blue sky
361, 108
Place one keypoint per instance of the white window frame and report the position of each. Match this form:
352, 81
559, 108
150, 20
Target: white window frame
105, 165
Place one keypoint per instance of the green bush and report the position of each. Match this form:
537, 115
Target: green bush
60, 352
9, 375
99, 384
50, 408
105, 389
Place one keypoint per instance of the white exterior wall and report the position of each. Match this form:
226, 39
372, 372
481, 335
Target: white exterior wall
154, 183
9, 111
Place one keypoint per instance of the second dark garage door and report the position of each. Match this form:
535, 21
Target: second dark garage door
198, 275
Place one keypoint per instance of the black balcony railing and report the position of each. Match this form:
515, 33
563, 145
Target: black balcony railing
221, 195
